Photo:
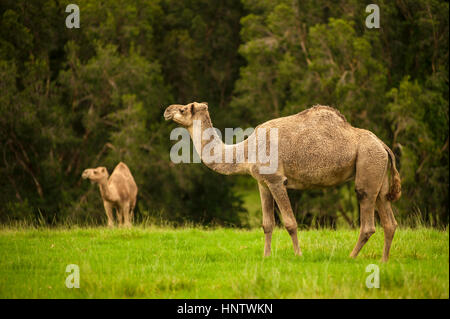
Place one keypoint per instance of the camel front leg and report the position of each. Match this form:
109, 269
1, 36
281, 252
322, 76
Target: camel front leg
126, 214
268, 221
109, 213
280, 195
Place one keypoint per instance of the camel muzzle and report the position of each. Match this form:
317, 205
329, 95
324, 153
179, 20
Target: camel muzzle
168, 115
85, 175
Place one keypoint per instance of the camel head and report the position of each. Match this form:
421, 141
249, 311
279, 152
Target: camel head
95, 175
185, 114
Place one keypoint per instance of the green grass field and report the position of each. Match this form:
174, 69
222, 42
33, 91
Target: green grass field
218, 263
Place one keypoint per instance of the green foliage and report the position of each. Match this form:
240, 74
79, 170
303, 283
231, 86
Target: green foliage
77, 98
419, 119
97, 99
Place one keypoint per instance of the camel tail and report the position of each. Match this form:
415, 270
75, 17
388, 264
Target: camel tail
395, 190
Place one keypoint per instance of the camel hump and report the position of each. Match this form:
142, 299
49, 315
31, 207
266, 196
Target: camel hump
122, 164
122, 170
122, 167
323, 111
123, 181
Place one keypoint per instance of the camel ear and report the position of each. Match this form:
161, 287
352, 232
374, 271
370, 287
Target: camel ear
201, 106
195, 107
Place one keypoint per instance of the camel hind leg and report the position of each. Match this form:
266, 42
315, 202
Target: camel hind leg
386, 217
119, 214
133, 205
371, 167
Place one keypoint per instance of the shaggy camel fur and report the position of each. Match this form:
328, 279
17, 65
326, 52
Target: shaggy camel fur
316, 148
119, 191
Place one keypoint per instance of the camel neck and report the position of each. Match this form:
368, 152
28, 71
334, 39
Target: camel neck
104, 190
215, 143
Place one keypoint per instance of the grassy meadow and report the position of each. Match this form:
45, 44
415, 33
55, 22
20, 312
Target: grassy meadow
158, 262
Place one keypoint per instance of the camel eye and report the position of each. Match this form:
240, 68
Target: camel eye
182, 111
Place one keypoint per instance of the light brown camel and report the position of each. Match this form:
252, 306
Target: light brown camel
119, 191
316, 148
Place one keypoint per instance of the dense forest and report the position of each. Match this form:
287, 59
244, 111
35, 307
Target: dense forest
73, 98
